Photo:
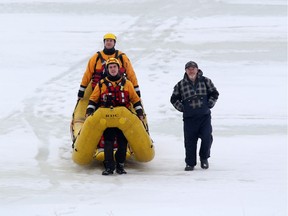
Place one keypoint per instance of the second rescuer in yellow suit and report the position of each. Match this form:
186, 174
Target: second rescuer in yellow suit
112, 91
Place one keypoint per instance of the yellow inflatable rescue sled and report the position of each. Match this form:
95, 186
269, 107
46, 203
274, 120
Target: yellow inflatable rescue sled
86, 134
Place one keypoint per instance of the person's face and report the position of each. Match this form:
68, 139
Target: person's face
113, 69
109, 43
192, 72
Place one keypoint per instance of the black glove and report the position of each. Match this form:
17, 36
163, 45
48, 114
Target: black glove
138, 93
139, 112
81, 92
89, 111
137, 89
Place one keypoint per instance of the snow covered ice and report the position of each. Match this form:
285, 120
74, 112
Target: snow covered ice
240, 45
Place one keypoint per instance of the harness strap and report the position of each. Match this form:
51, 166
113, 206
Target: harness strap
120, 57
99, 57
116, 91
103, 60
98, 75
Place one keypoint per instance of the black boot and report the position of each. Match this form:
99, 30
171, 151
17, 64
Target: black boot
204, 164
107, 171
189, 168
120, 168
109, 168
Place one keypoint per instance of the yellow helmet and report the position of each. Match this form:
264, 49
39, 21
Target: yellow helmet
109, 36
112, 61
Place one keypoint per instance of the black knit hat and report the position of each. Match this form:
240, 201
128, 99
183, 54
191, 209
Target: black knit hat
191, 64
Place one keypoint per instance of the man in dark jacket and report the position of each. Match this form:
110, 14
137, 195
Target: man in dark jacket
195, 95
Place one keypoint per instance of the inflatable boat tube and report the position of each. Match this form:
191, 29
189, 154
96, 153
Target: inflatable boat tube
78, 116
132, 127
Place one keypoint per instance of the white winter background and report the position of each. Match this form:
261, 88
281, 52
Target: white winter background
240, 44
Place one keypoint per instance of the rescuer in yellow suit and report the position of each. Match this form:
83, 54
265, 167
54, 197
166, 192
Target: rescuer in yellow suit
96, 69
112, 91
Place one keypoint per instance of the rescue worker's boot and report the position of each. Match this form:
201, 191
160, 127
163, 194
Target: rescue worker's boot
109, 168
120, 168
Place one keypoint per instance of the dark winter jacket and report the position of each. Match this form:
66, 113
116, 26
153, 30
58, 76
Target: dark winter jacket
194, 98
